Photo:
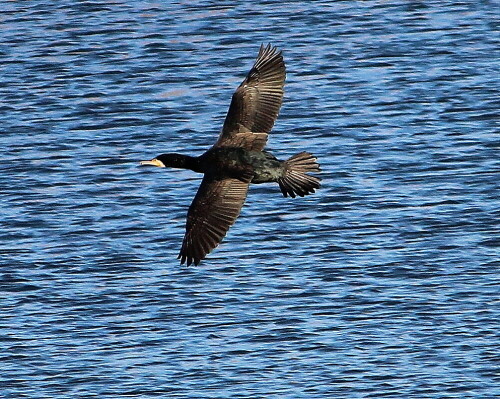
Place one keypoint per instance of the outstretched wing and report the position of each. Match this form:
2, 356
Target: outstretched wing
215, 208
256, 103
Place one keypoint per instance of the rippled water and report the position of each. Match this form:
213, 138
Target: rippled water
383, 284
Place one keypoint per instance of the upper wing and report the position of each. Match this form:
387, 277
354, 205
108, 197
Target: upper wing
256, 102
215, 208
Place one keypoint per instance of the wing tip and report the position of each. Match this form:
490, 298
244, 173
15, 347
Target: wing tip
269, 51
188, 260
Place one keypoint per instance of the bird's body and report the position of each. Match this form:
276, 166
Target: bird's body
242, 164
238, 159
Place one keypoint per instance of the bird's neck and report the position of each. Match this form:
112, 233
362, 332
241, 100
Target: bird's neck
182, 161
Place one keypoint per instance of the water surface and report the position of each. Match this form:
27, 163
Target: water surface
382, 284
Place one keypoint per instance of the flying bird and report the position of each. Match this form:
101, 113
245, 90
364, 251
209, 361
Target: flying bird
238, 158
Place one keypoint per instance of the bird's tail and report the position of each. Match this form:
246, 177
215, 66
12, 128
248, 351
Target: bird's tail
295, 180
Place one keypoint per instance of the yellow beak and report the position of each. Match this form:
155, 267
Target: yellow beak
153, 162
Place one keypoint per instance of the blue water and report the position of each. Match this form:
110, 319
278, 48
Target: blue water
384, 284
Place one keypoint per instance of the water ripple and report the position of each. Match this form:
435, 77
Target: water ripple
382, 284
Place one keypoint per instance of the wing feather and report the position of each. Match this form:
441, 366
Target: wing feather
215, 208
256, 102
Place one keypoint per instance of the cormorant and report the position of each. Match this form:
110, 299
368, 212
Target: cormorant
238, 159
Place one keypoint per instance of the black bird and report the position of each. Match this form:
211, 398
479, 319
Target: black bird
237, 159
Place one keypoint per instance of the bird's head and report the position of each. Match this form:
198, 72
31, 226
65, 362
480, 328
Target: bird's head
167, 160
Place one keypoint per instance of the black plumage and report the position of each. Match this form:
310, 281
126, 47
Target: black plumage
237, 159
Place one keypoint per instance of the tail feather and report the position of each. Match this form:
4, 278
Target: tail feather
295, 180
